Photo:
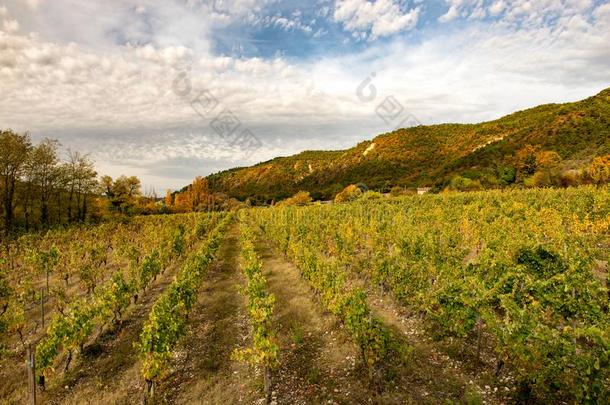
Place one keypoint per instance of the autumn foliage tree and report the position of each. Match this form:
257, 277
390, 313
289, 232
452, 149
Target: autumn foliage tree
599, 170
301, 198
536, 167
169, 198
525, 160
37, 188
80, 181
122, 192
195, 197
349, 193
547, 159
46, 171
14, 152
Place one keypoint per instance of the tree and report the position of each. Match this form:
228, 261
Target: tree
169, 199
349, 193
183, 200
570, 178
28, 194
506, 175
599, 170
85, 184
525, 160
62, 182
134, 186
199, 192
34, 181
547, 160
14, 150
107, 185
540, 179
196, 197
299, 199
121, 192
44, 164
71, 170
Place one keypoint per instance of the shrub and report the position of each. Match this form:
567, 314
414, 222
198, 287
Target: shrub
541, 179
525, 160
599, 170
363, 187
570, 178
349, 193
506, 175
396, 191
300, 199
547, 159
529, 182
459, 183
371, 195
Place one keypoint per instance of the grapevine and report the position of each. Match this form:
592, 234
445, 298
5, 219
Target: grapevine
167, 319
264, 350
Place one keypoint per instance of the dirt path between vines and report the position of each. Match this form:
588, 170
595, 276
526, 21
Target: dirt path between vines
204, 372
319, 364
444, 370
109, 371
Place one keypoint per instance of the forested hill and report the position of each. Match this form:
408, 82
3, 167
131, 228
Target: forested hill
489, 154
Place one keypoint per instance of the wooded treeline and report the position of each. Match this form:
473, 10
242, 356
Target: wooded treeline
38, 187
197, 197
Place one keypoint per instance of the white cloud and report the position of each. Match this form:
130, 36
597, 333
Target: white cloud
292, 23
169, 56
453, 12
516, 12
33, 4
497, 7
602, 12
10, 26
117, 100
228, 11
382, 17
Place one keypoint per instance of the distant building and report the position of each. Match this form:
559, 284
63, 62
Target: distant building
423, 190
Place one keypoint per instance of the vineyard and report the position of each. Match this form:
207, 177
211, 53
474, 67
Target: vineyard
485, 297
522, 275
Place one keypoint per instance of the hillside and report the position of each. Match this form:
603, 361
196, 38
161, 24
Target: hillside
431, 155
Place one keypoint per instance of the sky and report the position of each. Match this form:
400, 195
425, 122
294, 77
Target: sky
171, 89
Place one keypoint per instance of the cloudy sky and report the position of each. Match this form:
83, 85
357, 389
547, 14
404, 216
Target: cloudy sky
171, 89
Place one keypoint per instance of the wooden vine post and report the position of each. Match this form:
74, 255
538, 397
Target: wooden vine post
31, 365
268, 384
42, 307
149, 396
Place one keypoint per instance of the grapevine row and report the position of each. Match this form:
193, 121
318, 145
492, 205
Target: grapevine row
69, 330
339, 296
264, 351
54, 258
167, 319
517, 269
